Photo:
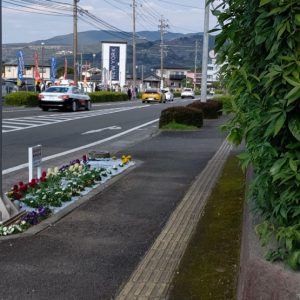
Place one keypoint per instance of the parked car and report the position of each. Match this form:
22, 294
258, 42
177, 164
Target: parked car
168, 94
64, 97
187, 93
153, 95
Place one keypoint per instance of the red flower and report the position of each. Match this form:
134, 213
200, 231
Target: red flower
23, 188
43, 179
21, 183
44, 174
17, 195
84, 158
15, 188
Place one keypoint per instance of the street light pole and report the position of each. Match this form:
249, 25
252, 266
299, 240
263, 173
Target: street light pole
75, 41
205, 55
133, 49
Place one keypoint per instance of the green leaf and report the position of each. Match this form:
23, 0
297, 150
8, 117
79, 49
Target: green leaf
277, 166
264, 2
297, 19
279, 123
293, 95
293, 165
294, 260
291, 81
294, 127
281, 31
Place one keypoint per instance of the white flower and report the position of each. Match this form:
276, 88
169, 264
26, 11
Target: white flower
23, 222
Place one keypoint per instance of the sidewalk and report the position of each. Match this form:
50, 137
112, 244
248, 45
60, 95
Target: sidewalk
113, 244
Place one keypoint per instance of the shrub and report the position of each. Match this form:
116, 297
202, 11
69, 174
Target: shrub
258, 49
226, 101
210, 108
181, 115
104, 96
22, 98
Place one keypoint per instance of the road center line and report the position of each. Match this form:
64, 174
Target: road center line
22, 166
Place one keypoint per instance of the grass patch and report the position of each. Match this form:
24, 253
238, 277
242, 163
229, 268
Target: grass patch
177, 126
209, 268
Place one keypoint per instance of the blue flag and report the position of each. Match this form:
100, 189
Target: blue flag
20, 65
53, 69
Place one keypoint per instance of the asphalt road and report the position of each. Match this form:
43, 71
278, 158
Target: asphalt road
107, 126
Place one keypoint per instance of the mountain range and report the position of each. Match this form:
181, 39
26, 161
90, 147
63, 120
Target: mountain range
179, 48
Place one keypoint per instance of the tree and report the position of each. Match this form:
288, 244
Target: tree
259, 44
61, 70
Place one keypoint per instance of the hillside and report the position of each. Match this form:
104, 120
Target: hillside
179, 50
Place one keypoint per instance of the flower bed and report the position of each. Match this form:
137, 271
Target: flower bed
58, 188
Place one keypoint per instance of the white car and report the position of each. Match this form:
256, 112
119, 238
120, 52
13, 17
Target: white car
64, 97
169, 95
187, 93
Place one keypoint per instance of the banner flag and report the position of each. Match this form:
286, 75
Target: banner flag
53, 69
20, 66
66, 68
37, 76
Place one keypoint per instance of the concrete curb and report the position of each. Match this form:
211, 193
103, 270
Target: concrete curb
153, 276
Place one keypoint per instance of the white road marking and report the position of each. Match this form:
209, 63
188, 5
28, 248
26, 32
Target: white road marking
22, 166
55, 118
102, 129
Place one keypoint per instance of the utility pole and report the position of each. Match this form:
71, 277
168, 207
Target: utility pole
7, 208
75, 41
142, 77
80, 75
195, 68
162, 27
205, 55
133, 50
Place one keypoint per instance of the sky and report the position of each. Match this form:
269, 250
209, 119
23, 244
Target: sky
24, 22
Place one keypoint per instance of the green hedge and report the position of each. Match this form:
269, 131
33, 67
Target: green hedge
227, 102
211, 109
22, 98
104, 96
182, 115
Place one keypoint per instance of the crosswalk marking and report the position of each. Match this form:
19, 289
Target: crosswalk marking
22, 123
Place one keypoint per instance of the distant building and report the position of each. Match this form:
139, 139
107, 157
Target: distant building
11, 71
173, 77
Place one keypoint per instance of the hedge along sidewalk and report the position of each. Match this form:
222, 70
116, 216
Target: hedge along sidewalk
24, 98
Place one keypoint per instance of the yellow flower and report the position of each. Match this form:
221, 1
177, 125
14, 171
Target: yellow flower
129, 157
49, 172
114, 158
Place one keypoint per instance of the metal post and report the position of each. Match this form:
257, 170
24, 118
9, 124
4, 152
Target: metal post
133, 50
195, 68
75, 41
161, 54
205, 55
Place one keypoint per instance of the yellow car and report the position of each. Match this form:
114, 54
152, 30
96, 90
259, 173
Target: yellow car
153, 95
